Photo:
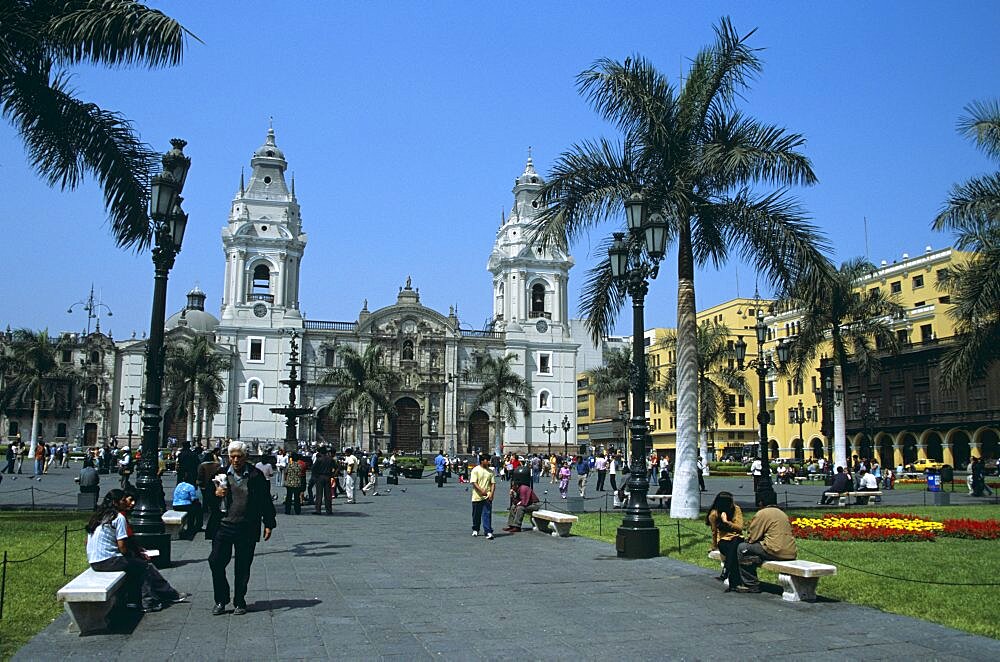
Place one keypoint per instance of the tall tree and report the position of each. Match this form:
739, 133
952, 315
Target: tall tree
193, 381
700, 163
506, 390
718, 381
365, 382
67, 138
614, 379
31, 371
973, 213
851, 326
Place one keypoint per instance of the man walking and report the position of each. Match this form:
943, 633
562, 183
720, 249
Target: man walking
322, 472
350, 473
601, 464
701, 474
483, 486
582, 471
245, 503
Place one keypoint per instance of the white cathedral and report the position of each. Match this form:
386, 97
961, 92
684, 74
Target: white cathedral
264, 243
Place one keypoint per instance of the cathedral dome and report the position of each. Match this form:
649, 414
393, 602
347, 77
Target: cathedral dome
193, 315
269, 150
529, 176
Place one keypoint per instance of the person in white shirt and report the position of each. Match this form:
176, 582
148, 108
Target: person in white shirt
866, 483
282, 462
268, 471
601, 464
756, 469
350, 473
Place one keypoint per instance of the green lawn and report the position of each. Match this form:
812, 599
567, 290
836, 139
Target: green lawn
949, 560
29, 602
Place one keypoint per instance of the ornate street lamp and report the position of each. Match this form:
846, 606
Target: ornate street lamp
131, 411
634, 262
548, 428
800, 417
762, 365
565, 428
169, 223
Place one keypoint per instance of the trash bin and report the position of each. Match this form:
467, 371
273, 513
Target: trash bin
933, 482
947, 475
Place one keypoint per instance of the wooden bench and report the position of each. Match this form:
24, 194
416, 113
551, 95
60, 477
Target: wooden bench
173, 523
844, 497
563, 522
661, 500
798, 578
89, 597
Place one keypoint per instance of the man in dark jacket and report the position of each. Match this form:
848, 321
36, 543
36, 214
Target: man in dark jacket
322, 472
187, 463
245, 504
841, 483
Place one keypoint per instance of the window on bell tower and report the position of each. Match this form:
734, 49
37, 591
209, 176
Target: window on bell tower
260, 285
538, 301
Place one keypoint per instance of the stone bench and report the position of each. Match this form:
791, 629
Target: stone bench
798, 578
661, 500
89, 597
843, 498
541, 520
173, 523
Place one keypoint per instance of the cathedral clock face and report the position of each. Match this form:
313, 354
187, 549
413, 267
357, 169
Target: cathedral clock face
542, 326
260, 310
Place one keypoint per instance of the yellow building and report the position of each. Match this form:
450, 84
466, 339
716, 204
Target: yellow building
879, 421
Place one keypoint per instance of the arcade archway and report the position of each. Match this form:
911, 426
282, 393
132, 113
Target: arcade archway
479, 431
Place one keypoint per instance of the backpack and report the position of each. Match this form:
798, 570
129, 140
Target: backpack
293, 474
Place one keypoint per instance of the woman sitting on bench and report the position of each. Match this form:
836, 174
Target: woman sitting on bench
109, 550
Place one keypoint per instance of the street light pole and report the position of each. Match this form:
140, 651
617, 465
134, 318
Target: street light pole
548, 428
638, 537
762, 365
131, 411
169, 223
565, 429
800, 414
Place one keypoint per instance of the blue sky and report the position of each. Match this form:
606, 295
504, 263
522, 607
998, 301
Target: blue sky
406, 123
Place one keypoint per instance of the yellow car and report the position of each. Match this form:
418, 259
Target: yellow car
924, 465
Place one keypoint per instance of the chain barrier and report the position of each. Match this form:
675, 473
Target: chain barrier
64, 536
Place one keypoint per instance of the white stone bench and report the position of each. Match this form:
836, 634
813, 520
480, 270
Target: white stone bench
563, 522
89, 597
661, 500
173, 523
798, 578
843, 498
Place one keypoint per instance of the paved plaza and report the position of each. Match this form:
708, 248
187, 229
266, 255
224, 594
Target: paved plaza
398, 576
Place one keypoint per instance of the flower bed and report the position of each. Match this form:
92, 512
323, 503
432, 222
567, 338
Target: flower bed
865, 526
879, 527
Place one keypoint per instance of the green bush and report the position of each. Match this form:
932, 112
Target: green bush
726, 466
410, 462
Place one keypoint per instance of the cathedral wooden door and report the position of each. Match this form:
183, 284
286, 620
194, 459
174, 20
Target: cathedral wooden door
406, 426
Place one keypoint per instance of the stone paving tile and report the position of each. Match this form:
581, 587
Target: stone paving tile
399, 577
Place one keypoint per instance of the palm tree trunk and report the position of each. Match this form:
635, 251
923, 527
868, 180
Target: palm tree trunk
686, 496
839, 420
499, 435
36, 416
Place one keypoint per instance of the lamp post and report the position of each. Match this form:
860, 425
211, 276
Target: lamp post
169, 223
565, 429
837, 395
92, 308
762, 365
548, 428
800, 417
131, 411
634, 262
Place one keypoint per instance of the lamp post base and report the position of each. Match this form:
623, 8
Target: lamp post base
159, 542
641, 543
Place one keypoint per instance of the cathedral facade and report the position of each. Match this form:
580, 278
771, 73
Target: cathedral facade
264, 243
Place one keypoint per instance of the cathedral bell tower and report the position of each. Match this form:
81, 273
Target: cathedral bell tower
529, 283
263, 242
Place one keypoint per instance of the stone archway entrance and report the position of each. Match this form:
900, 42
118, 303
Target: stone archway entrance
479, 431
797, 451
817, 448
327, 429
405, 433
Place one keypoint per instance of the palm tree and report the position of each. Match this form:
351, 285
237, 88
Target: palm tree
614, 379
193, 382
366, 383
700, 163
973, 213
31, 371
850, 325
68, 138
717, 379
505, 389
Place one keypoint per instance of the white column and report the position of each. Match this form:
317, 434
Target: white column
241, 278
279, 292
